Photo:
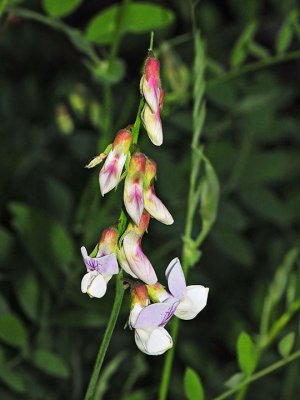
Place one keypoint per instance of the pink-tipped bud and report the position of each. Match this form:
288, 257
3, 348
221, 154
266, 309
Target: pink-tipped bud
139, 295
133, 188
108, 241
150, 173
150, 83
112, 169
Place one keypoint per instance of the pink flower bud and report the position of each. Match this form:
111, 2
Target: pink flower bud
150, 84
111, 171
133, 188
108, 241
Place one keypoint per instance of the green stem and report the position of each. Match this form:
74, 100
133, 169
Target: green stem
259, 375
106, 338
137, 123
237, 72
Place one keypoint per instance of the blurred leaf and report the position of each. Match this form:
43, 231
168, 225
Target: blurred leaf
104, 72
192, 253
266, 204
45, 239
4, 306
6, 241
50, 363
102, 27
234, 380
240, 50
79, 318
231, 216
13, 380
286, 344
60, 8
234, 246
192, 385
12, 330
209, 198
247, 355
258, 50
104, 378
27, 292
286, 33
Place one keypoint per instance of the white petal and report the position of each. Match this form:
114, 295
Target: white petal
153, 126
134, 313
153, 342
133, 199
156, 208
124, 263
97, 287
193, 302
85, 282
111, 171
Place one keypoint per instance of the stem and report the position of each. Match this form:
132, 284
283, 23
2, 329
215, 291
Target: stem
236, 73
106, 338
260, 374
151, 41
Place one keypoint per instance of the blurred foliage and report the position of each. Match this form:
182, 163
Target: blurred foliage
64, 91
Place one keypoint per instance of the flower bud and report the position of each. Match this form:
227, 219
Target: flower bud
108, 241
152, 123
150, 83
111, 171
133, 188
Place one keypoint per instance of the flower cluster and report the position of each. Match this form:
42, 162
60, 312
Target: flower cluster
152, 306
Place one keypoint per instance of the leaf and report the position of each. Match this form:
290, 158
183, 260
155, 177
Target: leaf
247, 354
240, 49
209, 198
45, 239
13, 380
286, 344
12, 331
27, 292
102, 27
6, 241
234, 380
192, 385
286, 33
50, 363
60, 8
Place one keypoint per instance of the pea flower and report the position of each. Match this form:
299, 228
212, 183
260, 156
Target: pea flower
152, 203
192, 299
133, 188
152, 91
110, 173
100, 268
131, 256
148, 321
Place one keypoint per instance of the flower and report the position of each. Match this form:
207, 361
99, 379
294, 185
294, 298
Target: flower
149, 320
152, 123
150, 84
100, 268
111, 171
152, 203
192, 299
133, 188
152, 91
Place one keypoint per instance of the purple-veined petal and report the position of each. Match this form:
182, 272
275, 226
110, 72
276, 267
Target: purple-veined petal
156, 208
193, 302
133, 199
176, 279
111, 171
152, 123
153, 342
157, 314
106, 265
138, 262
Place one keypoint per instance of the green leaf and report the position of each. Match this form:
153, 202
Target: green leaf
12, 330
45, 239
6, 241
50, 363
60, 8
286, 33
240, 50
234, 380
209, 198
247, 354
192, 385
27, 292
102, 27
13, 380
286, 344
